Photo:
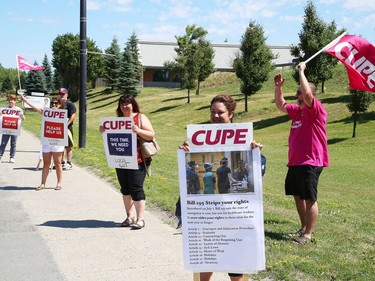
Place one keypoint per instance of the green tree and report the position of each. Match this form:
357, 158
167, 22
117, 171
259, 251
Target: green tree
12, 73
36, 81
95, 63
254, 62
133, 45
128, 79
189, 52
112, 64
57, 83
65, 51
48, 74
22, 79
205, 62
359, 102
315, 34
175, 71
7, 84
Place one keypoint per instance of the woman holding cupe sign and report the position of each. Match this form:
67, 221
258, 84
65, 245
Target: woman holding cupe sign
50, 151
130, 180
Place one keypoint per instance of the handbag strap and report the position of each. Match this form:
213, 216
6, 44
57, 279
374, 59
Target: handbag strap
143, 159
140, 120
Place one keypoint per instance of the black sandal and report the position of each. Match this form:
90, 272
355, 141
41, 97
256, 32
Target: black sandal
40, 187
139, 224
127, 223
302, 240
298, 233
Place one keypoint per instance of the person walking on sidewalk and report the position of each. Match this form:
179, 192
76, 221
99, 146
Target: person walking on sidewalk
12, 99
71, 116
308, 151
50, 151
131, 181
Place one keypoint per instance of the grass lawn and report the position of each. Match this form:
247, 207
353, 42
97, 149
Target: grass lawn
345, 231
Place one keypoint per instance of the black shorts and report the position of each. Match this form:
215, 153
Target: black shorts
131, 181
303, 181
70, 136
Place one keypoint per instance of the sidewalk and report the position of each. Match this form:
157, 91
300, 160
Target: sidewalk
73, 234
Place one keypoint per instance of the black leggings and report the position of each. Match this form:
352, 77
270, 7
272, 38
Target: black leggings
131, 182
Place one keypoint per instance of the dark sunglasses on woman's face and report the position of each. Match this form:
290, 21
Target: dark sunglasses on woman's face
54, 103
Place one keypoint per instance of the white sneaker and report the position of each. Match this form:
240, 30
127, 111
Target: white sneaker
11, 160
68, 166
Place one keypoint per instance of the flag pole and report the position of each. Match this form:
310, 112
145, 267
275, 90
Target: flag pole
18, 70
325, 47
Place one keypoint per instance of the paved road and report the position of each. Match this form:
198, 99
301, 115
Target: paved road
73, 234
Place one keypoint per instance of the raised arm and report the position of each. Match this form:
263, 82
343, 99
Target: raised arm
306, 90
279, 96
39, 110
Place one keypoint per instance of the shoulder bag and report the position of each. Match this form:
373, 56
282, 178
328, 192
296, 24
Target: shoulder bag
148, 148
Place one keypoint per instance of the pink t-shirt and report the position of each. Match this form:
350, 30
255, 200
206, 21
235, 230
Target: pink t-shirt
308, 137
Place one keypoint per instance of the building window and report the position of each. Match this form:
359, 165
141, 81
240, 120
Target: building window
161, 75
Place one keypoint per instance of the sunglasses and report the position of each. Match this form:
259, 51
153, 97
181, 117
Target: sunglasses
54, 103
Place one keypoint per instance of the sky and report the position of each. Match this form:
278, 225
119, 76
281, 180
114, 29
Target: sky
28, 27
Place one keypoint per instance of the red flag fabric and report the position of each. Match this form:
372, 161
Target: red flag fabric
23, 64
358, 56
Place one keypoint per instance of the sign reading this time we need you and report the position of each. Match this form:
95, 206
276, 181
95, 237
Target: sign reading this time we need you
120, 142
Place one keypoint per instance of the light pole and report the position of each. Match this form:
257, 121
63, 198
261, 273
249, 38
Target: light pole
83, 76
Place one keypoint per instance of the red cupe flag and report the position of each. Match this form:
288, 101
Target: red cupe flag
358, 56
23, 64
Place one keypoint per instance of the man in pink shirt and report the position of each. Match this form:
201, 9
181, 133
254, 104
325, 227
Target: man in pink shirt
308, 151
